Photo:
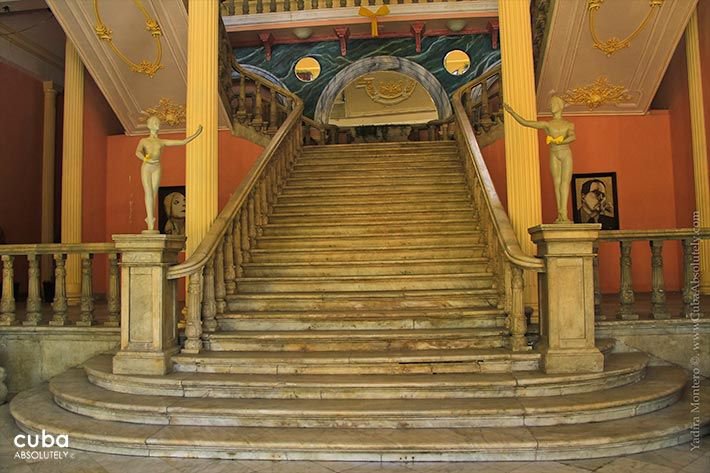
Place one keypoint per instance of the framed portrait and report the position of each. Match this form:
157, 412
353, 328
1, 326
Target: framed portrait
171, 210
595, 199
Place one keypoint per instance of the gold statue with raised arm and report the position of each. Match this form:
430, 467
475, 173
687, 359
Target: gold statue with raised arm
560, 133
149, 151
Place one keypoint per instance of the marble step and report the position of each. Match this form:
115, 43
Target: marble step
364, 190
338, 375
384, 199
35, 411
375, 216
349, 208
398, 147
387, 240
357, 340
392, 175
325, 162
661, 387
367, 253
400, 180
367, 171
366, 301
362, 320
470, 280
365, 268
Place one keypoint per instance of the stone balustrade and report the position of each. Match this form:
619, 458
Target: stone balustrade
10, 254
248, 7
654, 241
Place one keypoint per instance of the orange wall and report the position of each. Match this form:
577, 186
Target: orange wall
125, 210
638, 150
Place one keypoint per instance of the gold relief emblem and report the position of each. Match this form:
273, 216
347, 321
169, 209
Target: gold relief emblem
598, 93
167, 111
389, 92
614, 44
104, 33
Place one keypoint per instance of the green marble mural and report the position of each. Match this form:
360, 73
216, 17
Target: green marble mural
284, 58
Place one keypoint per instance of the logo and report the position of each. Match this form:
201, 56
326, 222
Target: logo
44, 446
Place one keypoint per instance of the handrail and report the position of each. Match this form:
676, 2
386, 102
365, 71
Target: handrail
209, 243
503, 228
52, 248
667, 234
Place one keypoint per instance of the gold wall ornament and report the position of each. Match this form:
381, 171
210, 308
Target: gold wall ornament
104, 33
598, 93
167, 111
389, 92
614, 44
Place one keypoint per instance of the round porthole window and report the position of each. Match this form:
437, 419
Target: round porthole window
457, 62
307, 69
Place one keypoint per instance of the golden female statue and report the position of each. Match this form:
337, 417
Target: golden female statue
149, 151
560, 133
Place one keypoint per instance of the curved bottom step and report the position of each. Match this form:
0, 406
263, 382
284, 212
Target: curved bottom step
35, 410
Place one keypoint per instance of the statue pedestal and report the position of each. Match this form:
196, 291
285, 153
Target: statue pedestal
148, 312
567, 297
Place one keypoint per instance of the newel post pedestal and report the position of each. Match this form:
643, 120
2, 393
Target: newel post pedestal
148, 303
567, 297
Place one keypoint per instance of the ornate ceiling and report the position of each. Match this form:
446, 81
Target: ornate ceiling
607, 57
136, 51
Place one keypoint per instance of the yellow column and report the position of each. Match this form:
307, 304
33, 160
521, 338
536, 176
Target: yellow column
521, 144
48, 139
700, 145
202, 96
72, 156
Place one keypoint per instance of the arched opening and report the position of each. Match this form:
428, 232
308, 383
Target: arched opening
382, 98
407, 71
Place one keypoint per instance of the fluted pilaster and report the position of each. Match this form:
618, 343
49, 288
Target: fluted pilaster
202, 96
72, 156
521, 144
700, 145
48, 140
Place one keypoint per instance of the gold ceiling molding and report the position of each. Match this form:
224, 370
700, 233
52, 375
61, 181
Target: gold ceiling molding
167, 111
389, 92
614, 44
598, 93
104, 33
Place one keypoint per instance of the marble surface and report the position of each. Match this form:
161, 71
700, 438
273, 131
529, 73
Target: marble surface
678, 459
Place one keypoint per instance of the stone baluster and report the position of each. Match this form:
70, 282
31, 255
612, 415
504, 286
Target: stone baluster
329, 3
59, 305
228, 250
237, 243
314, 4
658, 293
209, 303
371, 2
597, 286
193, 322
244, 238
7, 303
287, 5
626, 290
251, 208
518, 324
273, 113
245, 7
272, 6
242, 111
358, 3
220, 289
343, 3
263, 204
87, 291
260, 6
34, 300
114, 292
300, 4
258, 120
691, 281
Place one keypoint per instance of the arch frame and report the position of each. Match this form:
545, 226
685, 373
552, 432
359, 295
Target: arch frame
382, 63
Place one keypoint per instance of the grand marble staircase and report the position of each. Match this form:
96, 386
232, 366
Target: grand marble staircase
368, 326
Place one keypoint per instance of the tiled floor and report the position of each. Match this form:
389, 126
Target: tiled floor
670, 460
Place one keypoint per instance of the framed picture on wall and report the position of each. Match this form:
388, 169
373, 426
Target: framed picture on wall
171, 210
595, 199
